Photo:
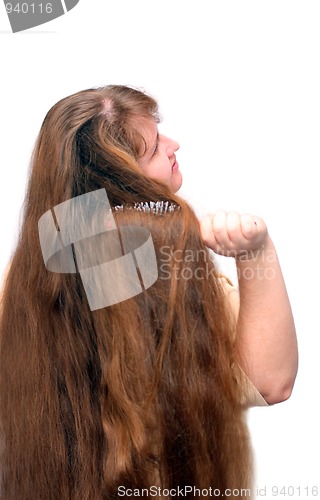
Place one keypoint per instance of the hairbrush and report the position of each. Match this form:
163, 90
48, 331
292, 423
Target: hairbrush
152, 207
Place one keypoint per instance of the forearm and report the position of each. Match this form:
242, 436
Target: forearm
266, 342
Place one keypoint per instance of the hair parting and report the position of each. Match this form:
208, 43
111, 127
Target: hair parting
137, 394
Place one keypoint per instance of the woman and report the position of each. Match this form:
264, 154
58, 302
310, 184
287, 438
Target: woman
148, 391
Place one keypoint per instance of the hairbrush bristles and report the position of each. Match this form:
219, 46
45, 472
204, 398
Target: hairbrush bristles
152, 207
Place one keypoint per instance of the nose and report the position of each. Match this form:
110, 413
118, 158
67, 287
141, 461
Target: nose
172, 146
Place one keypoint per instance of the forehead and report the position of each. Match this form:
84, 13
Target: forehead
148, 129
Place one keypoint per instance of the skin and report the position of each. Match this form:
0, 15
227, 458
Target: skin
159, 159
266, 340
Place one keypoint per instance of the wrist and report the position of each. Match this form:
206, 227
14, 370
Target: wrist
258, 264
265, 251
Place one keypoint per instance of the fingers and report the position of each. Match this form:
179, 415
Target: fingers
220, 231
207, 233
219, 227
231, 233
253, 228
249, 226
228, 232
233, 228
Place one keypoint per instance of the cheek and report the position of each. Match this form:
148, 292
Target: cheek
160, 169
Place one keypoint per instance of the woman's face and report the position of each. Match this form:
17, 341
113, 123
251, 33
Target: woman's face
159, 160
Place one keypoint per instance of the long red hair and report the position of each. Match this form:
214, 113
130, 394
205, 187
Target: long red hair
137, 394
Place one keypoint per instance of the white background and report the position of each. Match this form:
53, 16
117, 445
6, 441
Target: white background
239, 88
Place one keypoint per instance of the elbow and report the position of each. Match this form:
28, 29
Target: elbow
279, 392
280, 386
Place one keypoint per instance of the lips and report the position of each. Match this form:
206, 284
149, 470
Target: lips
175, 166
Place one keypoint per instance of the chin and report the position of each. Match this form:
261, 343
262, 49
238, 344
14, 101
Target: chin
176, 181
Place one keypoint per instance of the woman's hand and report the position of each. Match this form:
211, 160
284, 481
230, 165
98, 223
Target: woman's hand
234, 235
266, 343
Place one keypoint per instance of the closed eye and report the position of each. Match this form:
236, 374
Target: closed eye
156, 145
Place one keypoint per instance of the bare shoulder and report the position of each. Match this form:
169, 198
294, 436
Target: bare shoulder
232, 294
